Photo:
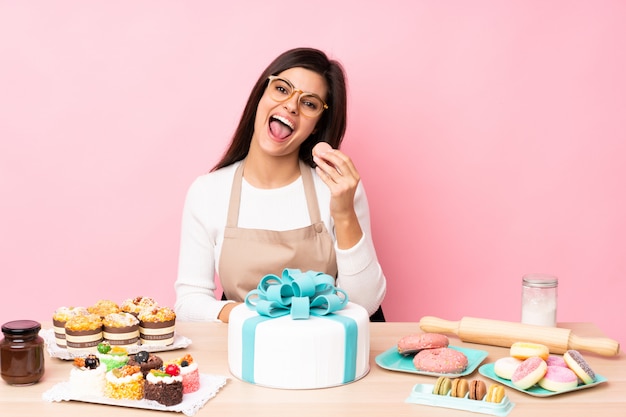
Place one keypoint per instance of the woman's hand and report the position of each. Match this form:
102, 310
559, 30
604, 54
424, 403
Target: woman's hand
338, 172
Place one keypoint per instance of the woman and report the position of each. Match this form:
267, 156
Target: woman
271, 204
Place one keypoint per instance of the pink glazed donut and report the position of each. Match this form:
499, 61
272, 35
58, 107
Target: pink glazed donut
554, 360
443, 360
558, 378
529, 372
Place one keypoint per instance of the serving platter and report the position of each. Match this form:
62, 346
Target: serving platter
487, 370
55, 351
192, 402
394, 361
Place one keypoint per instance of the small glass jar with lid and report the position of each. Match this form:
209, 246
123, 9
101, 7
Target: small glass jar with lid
21, 352
539, 299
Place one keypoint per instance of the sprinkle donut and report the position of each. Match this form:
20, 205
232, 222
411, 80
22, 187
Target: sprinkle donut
415, 342
442, 360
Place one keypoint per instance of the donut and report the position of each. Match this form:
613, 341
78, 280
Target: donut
554, 360
504, 367
477, 390
558, 378
581, 368
495, 394
525, 350
459, 388
442, 360
442, 386
413, 343
529, 372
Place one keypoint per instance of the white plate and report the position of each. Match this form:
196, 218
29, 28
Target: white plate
192, 402
55, 351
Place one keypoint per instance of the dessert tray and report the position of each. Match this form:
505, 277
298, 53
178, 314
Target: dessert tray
394, 361
192, 402
55, 351
487, 370
423, 394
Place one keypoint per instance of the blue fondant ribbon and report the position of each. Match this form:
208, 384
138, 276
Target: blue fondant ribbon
300, 294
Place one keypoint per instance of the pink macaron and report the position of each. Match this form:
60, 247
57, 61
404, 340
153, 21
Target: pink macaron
529, 372
558, 378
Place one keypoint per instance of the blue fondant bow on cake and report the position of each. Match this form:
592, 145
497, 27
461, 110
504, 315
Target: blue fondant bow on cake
298, 293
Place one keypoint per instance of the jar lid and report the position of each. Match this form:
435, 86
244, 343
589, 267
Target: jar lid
540, 281
18, 327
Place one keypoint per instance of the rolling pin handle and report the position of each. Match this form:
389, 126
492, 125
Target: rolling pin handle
600, 345
432, 324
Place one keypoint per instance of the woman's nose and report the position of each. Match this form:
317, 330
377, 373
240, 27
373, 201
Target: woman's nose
291, 105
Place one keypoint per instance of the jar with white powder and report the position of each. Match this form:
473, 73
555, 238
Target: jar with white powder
539, 299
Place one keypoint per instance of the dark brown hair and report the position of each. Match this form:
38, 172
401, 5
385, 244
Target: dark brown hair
330, 128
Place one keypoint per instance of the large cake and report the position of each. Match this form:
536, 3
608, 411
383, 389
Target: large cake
298, 332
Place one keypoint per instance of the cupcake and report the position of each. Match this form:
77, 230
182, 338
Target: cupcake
137, 305
156, 326
83, 332
121, 329
104, 307
146, 361
125, 383
87, 377
165, 387
113, 357
189, 372
60, 317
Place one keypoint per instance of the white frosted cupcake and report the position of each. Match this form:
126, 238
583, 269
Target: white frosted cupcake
87, 377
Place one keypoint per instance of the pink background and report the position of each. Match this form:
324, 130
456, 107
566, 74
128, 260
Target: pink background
489, 135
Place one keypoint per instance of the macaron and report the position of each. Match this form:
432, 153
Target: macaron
529, 372
505, 367
495, 394
459, 388
558, 378
320, 148
581, 368
442, 386
477, 390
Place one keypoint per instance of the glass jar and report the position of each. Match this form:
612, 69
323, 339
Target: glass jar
21, 352
539, 299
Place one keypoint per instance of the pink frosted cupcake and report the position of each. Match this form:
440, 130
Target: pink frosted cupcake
189, 372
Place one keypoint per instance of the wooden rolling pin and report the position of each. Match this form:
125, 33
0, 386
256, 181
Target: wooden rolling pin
505, 333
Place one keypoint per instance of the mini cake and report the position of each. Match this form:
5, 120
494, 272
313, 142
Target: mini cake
136, 305
189, 372
146, 361
83, 332
60, 317
165, 387
104, 307
112, 357
87, 377
121, 329
156, 326
124, 383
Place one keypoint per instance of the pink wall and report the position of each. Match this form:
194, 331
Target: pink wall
490, 137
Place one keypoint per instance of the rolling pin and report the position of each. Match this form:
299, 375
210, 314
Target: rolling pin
505, 333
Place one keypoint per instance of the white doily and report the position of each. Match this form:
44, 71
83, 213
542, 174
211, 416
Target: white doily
192, 402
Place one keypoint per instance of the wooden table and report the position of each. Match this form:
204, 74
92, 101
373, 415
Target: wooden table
380, 393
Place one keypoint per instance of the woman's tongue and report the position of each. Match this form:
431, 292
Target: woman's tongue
280, 130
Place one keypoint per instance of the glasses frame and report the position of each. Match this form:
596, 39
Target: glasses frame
295, 90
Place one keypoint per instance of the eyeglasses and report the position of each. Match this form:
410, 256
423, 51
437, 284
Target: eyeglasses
309, 104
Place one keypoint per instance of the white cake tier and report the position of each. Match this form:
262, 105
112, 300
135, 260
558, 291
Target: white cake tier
318, 352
